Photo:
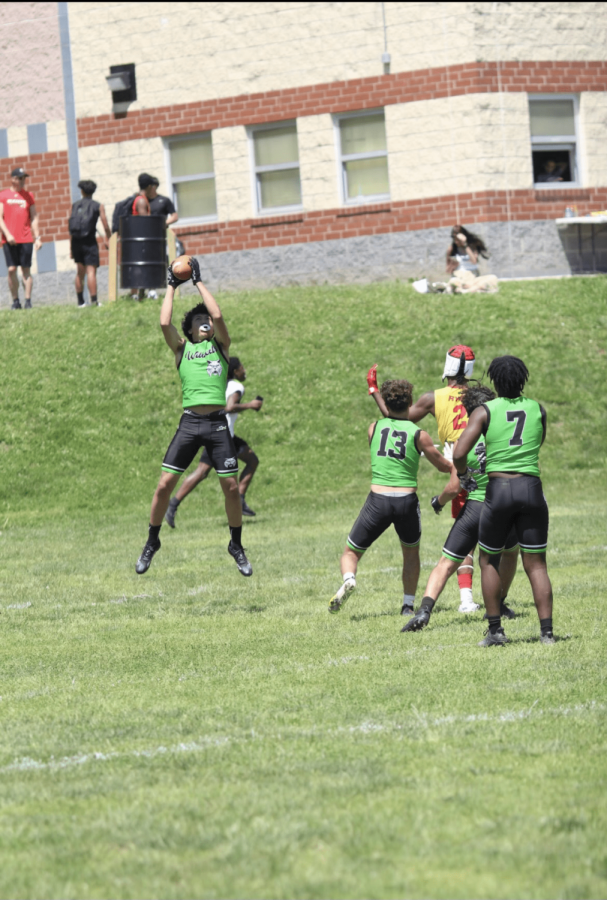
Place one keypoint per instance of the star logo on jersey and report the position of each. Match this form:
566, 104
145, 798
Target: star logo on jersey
214, 367
230, 462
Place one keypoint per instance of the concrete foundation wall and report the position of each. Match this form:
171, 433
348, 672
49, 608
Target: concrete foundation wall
522, 249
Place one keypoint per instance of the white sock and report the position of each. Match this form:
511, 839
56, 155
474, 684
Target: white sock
409, 600
350, 576
465, 595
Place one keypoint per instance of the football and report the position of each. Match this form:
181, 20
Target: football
182, 268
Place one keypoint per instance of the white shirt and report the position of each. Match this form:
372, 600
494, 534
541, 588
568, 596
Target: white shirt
233, 387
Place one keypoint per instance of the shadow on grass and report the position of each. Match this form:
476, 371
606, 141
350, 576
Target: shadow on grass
361, 617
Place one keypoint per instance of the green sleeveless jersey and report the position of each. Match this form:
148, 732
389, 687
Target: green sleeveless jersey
513, 436
204, 374
477, 459
394, 458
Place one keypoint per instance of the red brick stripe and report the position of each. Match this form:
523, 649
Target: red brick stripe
340, 96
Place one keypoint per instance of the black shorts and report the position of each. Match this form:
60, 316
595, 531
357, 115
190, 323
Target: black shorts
85, 252
212, 433
514, 502
239, 445
379, 512
463, 536
19, 255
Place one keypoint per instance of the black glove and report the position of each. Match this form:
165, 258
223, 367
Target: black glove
195, 270
467, 482
172, 279
436, 505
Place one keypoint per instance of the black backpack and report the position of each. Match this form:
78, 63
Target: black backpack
83, 218
123, 208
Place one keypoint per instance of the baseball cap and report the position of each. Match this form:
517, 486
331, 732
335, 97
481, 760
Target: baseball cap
19, 172
146, 180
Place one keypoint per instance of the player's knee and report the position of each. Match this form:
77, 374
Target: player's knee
533, 561
229, 484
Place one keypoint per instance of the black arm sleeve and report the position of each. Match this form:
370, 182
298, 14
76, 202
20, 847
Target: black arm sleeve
544, 422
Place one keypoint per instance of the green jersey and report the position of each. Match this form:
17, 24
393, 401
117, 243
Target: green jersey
477, 460
394, 456
204, 374
514, 433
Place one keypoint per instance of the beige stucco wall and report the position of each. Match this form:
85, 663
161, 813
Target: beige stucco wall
317, 161
458, 145
593, 129
232, 173
115, 167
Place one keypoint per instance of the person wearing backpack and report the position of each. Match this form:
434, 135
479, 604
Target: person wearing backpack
83, 233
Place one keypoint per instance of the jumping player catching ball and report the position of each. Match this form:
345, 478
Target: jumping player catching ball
514, 429
202, 362
396, 445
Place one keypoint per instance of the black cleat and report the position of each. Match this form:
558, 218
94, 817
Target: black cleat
419, 621
169, 516
244, 566
505, 612
147, 555
497, 639
28, 304
16, 304
406, 610
246, 509
547, 638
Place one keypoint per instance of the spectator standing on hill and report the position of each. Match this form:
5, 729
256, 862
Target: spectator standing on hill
141, 207
20, 232
83, 231
234, 393
160, 205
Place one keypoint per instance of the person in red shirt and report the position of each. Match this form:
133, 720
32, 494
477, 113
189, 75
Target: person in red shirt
20, 229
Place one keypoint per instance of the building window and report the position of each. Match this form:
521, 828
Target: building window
276, 167
554, 141
192, 176
363, 156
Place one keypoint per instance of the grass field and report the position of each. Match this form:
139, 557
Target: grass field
190, 733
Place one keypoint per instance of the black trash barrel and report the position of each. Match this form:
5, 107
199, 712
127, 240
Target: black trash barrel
143, 252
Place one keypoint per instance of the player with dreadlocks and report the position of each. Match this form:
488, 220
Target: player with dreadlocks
451, 417
463, 536
514, 428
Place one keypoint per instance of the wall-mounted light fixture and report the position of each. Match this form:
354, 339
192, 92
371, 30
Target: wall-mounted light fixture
121, 82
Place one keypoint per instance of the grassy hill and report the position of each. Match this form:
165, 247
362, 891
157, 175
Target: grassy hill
190, 733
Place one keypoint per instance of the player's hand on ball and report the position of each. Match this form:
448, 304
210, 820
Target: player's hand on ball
372, 380
172, 278
195, 270
467, 482
436, 505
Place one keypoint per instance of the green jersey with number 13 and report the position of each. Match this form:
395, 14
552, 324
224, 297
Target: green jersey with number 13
394, 457
514, 434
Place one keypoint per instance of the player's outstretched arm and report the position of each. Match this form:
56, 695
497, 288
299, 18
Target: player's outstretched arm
469, 437
171, 335
450, 491
221, 331
374, 391
425, 445
234, 405
422, 407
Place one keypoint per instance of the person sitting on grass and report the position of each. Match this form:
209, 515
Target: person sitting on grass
514, 428
396, 446
463, 536
202, 363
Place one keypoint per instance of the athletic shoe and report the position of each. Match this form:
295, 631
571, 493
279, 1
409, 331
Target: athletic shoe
244, 566
505, 612
28, 304
169, 515
406, 610
81, 305
246, 509
338, 600
494, 640
16, 304
147, 555
547, 638
468, 607
419, 621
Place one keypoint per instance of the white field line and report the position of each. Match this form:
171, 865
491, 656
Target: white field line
27, 764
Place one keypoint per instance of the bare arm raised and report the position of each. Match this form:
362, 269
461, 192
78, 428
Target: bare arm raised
422, 407
219, 325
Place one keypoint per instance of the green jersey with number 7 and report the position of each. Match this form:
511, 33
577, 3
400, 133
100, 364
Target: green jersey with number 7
514, 434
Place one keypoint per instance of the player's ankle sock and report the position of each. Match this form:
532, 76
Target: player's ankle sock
495, 622
236, 535
546, 625
349, 576
465, 595
174, 502
93, 298
153, 533
427, 604
80, 295
409, 600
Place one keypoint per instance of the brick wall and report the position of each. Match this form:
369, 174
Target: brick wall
341, 96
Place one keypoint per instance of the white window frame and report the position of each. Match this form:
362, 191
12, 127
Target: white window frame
568, 142
341, 159
167, 141
256, 170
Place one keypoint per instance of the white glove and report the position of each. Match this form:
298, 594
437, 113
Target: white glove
448, 452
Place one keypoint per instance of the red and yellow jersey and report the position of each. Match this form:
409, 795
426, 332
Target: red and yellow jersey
451, 416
